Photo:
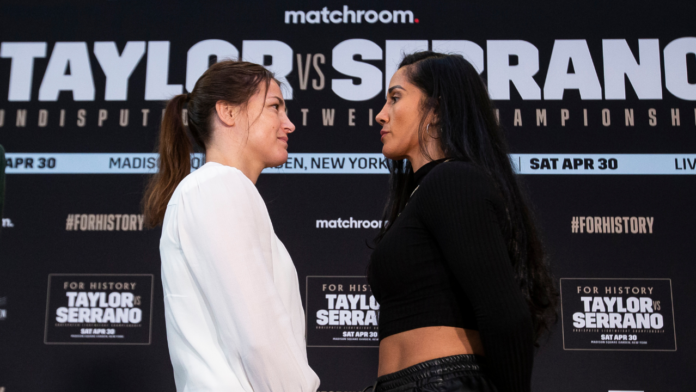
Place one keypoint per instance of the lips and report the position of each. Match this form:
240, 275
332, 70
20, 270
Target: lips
285, 139
383, 132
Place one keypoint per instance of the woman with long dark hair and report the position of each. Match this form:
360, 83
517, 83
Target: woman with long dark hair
233, 310
459, 269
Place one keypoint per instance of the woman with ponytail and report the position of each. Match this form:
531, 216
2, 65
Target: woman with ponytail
459, 271
233, 310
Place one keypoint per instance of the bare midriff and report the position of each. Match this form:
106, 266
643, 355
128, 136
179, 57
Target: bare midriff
399, 351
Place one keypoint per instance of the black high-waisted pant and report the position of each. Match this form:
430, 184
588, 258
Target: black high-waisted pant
458, 373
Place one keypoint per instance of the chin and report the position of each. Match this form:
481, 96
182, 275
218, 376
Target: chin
390, 153
277, 158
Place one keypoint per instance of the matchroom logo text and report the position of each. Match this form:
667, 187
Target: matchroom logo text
348, 224
349, 16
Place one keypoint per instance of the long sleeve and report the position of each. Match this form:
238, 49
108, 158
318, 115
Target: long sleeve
227, 239
459, 210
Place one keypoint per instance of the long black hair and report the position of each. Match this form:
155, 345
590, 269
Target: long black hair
468, 130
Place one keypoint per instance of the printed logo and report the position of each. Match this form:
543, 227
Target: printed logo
349, 16
656, 61
617, 314
341, 312
99, 309
348, 224
104, 222
612, 224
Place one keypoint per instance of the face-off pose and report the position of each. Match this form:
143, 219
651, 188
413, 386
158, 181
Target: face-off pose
459, 270
233, 310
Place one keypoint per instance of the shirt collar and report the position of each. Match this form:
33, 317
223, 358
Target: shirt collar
425, 169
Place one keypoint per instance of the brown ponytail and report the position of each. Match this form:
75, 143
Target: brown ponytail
174, 162
231, 81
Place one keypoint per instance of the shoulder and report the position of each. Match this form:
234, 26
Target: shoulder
212, 175
459, 177
214, 181
457, 189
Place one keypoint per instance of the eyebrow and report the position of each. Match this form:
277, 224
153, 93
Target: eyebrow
392, 88
280, 100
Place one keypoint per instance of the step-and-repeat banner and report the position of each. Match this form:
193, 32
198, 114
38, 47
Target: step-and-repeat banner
598, 102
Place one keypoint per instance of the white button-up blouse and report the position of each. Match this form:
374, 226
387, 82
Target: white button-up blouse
233, 310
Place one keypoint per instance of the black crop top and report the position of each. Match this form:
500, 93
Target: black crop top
444, 262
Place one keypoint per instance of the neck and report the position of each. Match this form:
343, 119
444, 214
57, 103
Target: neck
419, 159
251, 168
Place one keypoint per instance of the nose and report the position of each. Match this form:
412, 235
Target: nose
382, 117
287, 125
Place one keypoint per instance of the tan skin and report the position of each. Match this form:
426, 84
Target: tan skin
253, 137
400, 118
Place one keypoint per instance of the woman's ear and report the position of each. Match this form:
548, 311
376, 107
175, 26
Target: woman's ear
226, 113
433, 118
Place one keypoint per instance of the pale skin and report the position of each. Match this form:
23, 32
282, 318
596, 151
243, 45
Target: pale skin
253, 137
400, 118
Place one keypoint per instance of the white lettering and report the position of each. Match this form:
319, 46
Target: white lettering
342, 60
501, 73
118, 69
584, 78
281, 60
22, 68
66, 56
